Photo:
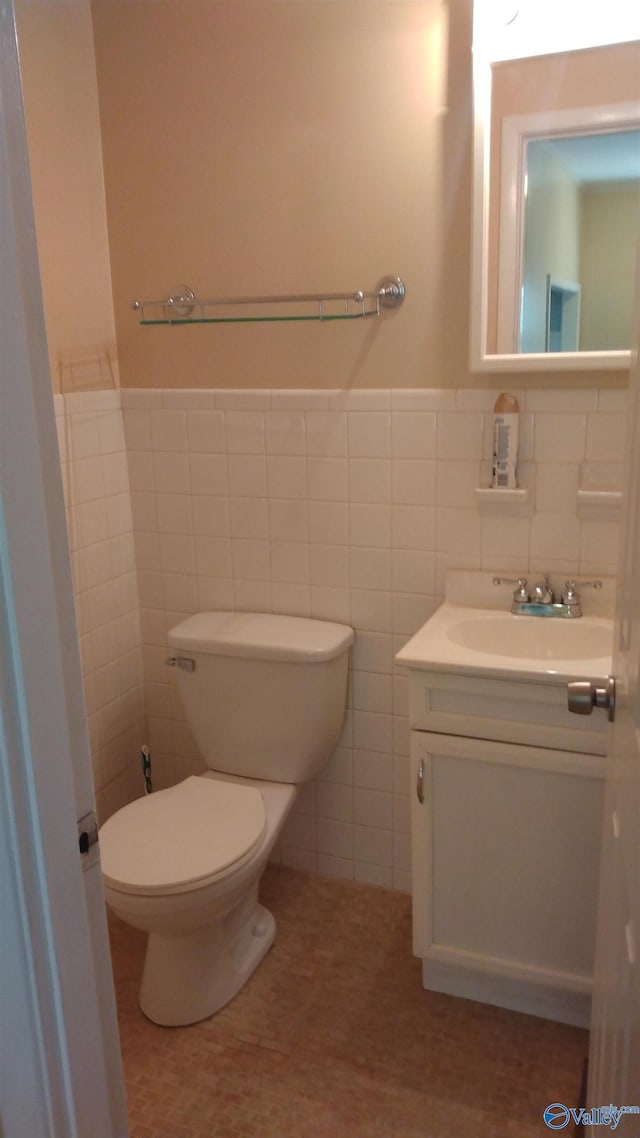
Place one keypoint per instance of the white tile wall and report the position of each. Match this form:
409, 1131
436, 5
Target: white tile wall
339, 505
100, 529
347, 506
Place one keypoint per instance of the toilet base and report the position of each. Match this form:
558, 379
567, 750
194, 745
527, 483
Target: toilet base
189, 978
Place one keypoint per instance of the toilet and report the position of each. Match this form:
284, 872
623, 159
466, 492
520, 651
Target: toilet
264, 696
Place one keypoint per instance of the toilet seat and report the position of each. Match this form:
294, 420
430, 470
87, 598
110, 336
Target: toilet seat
182, 838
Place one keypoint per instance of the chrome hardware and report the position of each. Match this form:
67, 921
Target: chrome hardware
390, 291
87, 832
184, 662
542, 602
520, 592
632, 951
420, 782
181, 303
571, 598
543, 593
183, 306
570, 594
584, 695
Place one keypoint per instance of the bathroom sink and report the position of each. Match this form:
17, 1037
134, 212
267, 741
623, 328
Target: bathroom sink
475, 640
538, 638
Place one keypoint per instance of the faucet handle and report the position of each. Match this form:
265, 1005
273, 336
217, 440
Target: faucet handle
520, 592
570, 594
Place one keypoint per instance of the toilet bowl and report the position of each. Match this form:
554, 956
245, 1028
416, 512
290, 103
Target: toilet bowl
265, 698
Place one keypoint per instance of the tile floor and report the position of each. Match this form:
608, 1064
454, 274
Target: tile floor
334, 1037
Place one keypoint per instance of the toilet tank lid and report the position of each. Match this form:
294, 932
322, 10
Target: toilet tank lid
261, 636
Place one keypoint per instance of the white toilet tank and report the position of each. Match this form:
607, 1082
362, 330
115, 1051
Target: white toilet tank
265, 696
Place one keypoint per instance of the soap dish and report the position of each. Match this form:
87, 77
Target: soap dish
493, 500
603, 505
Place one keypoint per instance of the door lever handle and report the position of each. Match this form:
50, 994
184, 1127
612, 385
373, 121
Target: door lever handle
584, 695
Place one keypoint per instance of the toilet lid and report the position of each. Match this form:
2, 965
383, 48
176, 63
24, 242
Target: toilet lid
176, 839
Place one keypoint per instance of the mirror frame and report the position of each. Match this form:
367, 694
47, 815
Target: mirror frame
480, 359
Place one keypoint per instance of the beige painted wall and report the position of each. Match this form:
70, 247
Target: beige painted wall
256, 148
63, 127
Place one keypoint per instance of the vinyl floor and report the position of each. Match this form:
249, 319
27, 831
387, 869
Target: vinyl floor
334, 1037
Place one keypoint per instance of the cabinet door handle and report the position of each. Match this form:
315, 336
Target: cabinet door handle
420, 782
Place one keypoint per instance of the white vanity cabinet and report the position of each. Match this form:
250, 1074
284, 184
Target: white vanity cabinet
506, 828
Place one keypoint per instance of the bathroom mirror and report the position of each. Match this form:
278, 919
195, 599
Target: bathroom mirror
556, 186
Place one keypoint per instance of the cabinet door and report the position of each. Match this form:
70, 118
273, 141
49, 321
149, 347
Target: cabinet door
506, 848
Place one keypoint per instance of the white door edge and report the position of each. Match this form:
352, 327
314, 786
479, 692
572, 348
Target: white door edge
60, 1073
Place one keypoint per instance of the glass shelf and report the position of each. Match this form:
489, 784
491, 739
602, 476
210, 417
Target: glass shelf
261, 319
183, 307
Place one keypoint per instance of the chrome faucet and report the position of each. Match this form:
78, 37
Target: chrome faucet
543, 593
542, 601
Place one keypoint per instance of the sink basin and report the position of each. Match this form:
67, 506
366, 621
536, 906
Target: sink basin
536, 638
486, 641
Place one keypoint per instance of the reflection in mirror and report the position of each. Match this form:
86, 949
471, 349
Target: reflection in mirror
594, 308
556, 187
568, 231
